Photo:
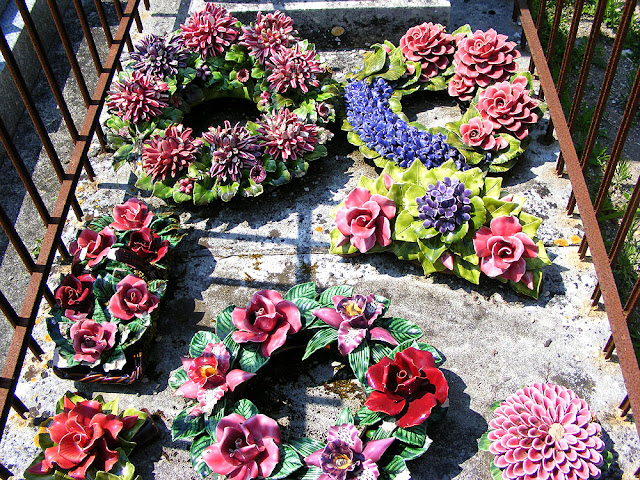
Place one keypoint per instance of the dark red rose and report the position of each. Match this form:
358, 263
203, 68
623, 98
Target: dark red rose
75, 296
148, 245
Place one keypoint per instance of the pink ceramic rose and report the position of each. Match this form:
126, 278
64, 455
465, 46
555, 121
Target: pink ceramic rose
132, 299
90, 339
148, 245
365, 220
245, 448
461, 87
429, 45
503, 248
93, 245
479, 133
266, 320
131, 215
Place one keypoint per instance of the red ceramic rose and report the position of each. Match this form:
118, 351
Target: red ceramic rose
479, 133
266, 320
429, 45
502, 249
365, 220
407, 387
148, 245
83, 437
130, 215
132, 299
244, 448
93, 245
74, 295
90, 339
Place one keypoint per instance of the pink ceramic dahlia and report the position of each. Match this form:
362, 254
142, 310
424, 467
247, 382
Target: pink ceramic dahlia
294, 67
138, 98
286, 137
267, 35
545, 431
165, 156
209, 31
508, 107
429, 45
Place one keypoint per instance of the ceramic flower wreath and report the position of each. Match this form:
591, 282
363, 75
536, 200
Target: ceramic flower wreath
213, 55
105, 306
545, 431
446, 220
87, 439
234, 440
475, 67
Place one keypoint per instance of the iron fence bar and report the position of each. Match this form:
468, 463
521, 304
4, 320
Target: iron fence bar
605, 89
86, 30
634, 299
118, 7
33, 114
585, 68
104, 22
17, 349
13, 319
617, 320
541, 11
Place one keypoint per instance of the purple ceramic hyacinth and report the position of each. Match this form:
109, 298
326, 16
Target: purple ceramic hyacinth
446, 205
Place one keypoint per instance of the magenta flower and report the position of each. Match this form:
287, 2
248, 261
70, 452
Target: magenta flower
325, 110
138, 98
344, 458
479, 133
232, 150
461, 87
508, 107
148, 245
90, 339
132, 299
243, 75
429, 45
365, 220
74, 295
354, 317
93, 245
285, 136
131, 215
165, 156
294, 68
244, 448
210, 378
546, 432
407, 387
268, 35
209, 31
266, 320
502, 249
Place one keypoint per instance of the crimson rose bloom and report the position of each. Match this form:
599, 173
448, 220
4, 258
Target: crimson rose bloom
148, 245
479, 133
132, 299
245, 448
266, 320
130, 215
407, 387
93, 245
429, 45
90, 339
74, 295
83, 437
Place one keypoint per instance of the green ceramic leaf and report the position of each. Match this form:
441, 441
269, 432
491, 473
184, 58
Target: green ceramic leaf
366, 417
373, 61
345, 416
466, 270
478, 213
250, 358
163, 189
303, 290
202, 192
492, 186
484, 443
306, 446
379, 351
198, 447
224, 323
354, 139
322, 338
346, 249
199, 341
400, 328
211, 421
405, 227
530, 223
186, 426
177, 378
313, 473
288, 463
326, 297
414, 436
306, 307
359, 361
245, 408
432, 249
496, 473
368, 153
456, 235
437, 356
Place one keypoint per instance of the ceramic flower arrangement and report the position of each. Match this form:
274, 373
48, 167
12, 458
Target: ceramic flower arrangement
87, 439
211, 56
106, 305
474, 67
233, 439
446, 220
545, 431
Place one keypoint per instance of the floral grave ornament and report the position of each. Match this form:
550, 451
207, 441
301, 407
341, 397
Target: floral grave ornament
108, 303
449, 220
233, 439
87, 439
212, 56
478, 68
545, 431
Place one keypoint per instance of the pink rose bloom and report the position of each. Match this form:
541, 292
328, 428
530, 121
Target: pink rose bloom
479, 133
429, 45
266, 320
131, 215
74, 295
508, 107
132, 299
93, 245
148, 245
503, 248
364, 220
461, 87
209, 378
90, 339
245, 448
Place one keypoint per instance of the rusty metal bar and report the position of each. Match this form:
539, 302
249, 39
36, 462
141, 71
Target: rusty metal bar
541, 11
17, 349
86, 30
585, 67
14, 320
605, 90
104, 22
617, 319
118, 7
634, 299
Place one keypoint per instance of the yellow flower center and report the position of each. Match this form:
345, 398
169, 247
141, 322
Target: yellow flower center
208, 371
342, 461
556, 431
352, 309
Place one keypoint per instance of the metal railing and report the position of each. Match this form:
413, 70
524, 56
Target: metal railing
618, 310
53, 220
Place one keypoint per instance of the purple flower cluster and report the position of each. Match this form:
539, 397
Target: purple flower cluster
445, 205
382, 130
159, 56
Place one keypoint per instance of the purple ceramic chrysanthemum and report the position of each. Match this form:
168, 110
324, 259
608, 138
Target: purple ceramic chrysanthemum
159, 56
